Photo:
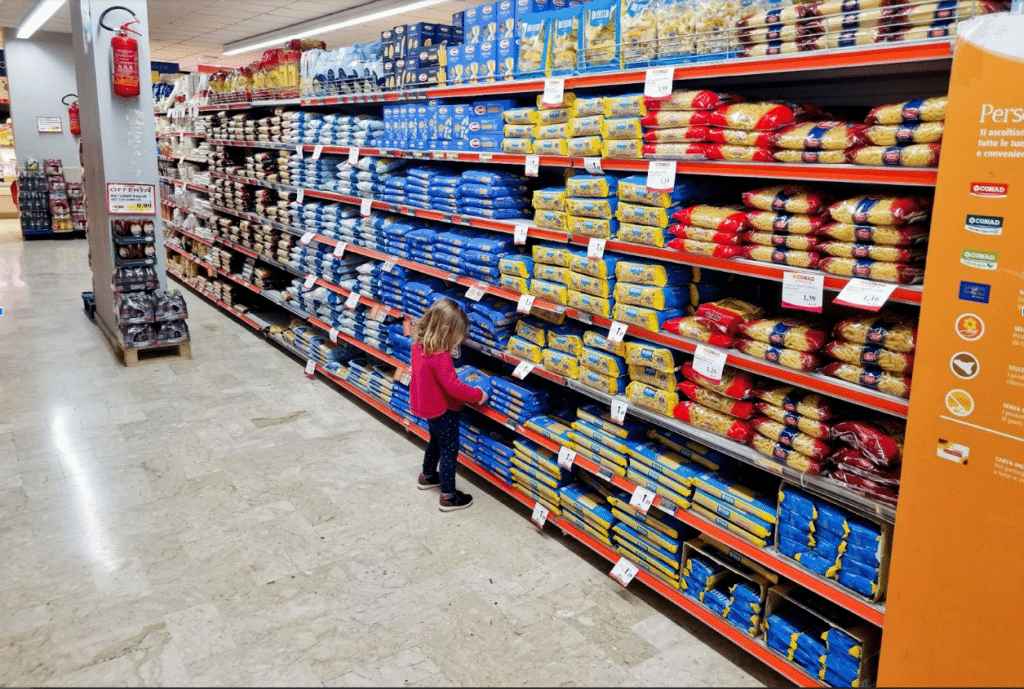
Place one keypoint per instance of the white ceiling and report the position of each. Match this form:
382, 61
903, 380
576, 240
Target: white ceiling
193, 32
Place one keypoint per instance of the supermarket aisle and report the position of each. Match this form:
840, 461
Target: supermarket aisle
225, 521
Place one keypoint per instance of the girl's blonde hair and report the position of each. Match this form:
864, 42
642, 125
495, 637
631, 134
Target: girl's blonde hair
443, 327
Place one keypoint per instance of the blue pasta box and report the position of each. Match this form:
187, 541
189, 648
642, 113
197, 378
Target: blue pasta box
491, 107
489, 21
399, 39
419, 35
454, 67
505, 17
486, 60
470, 66
483, 142
433, 55
442, 33
506, 57
458, 20
486, 124
472, 25
460, 120
444, 121
540, 5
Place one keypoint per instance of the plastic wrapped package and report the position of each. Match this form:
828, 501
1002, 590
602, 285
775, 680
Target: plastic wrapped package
552, 199
674, 119
815, 429
790, 358
634, 189
551, 131
916, 110
621, 128
653, 274
665, 380
904, 134
791, 437
739, 385
639, 32
609, 385
712, 421
622, 148
590, 303
561, 363
584, 126
739, 137
912, 155
603, 209
713, 400
807, 404
520, 146
641, 234
892, 331
788, 198
874, 252
812, 157
551, 116
591, 227
520, 116
638, 214
880, 440
550, 220
599, 287
689, 328
883, 271
870, 377
702, 234
695, 134
659, 358
865, 486
764, 116
551, 147
782, 256
772, 221
601, 35
551, 273
748, 154
888, 235
798, 242
787, 455
680, 151
587, 107
596, 340
631, 105
648, 319
709, 249
755, 16
721, 218
792, 333
551, 291
863, 355
563, 42
693, 100
727, 315
770, 48
826, 136
650, 397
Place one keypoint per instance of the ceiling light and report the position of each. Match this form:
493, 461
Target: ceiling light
39, 15
322, 25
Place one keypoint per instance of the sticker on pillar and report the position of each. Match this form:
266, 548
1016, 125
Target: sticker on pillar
954, 452
131, 199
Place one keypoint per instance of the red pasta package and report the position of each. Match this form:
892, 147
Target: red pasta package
790, 358
788, 198
865, 486
895, 235
798, 242
736, 384
881, 210
829, 135
874, 252
712, 421
689, 327
727, 315
793, 333
676, 151
807, 404
815, 429
676, 135
692, 100
766, 116
703, 234
713, 400
722, 218
880, 440
674, 119
790, 437
739, 154
782, 256
850, 459
739, 137
793, 223
883, 271
914, 155
710, 249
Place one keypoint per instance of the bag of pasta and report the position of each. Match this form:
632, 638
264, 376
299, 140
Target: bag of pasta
852, 460
863, 355
739, 137
793, 333
812, 157
870, 377
797, 242
696, 134
765, 116
689, 328
914, 155
533, 46
715, 401
905, 134
735, 383
788, 198
874, 252
563, 41
828, 135
895, 235
739, 154
892, 331
790, 358
676, 26
702, 234
807, 404
727, 315
782, 256
771, 221
787, 455
674, 119
721, 218
601, 37
639, 32
692, 100
680, 151
790, 437
865, 486
917, 110
712, 421
880, 440
882, 271
815, 429
881, 210
709, 249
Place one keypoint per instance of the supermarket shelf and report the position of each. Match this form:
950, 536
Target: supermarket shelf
256, 325
198, 135
189, 159
269, 145
202, 215
187, 185
183, 231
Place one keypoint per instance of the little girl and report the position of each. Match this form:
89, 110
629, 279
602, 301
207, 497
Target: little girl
436, 394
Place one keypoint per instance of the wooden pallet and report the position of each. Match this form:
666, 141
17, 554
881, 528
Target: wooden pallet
136, 357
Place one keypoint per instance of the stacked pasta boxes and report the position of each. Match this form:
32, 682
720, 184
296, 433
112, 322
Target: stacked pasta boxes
874, 351
726, 582
585, 504
736, 508
666, 473
535, 471
598, 439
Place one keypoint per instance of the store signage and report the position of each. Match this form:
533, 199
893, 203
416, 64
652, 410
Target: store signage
131, 199
49, 125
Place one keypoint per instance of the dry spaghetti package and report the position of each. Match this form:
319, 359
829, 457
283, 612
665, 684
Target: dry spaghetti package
592, 338
586, 146
790, 358
663, 380
674, 119
863, 355
650, 397
550, 290
604, 269
603, 209
550, 199
917, 110
524, 146
653, 274
727, 315
591, 186
621, 128
882, 271
715, 401
679, 151
520, 131
693, 100
634, 190
599, 287
551, 131
875, 252
771, 221
660, 358
905, 235
587, 107
812, 157
554, 255
676, 135
739, 137
524, 350
643, 295
790, 437
551, 273
791, 333
784, 454
648, 319
527, 116
551, 147
702, 234
712, 421
820, 136
590, 303
531, 333
881, 210
889, 330
739, 385
815, 429
561, 363
781, 256
584, 126
710, 249
622, 148
799, 242
879, 440
750, 154
603, 362
905, 134
788, 198
550, 220
721, 218
553, 116
591, 227
625, 106
761, 116
808, 404
689, 328
870, 377
609, 385
515, 283
914, 155
786, 14
638, 214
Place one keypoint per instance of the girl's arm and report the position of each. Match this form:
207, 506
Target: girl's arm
444, 369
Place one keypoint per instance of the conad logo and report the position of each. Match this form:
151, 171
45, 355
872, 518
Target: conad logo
993, 189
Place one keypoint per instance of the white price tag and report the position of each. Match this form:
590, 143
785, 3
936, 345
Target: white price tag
618, 410
520, 233
310, 367
307, 238
566, 457
365, 207
661, 175
642, 499
624, 571
554, 92
476, 293
300, 196
334, 335
525, 303
406, 377
532, 166
865, 294
540, 515
353, 155
595, 248
804, 291
593, 166
658, 82
317, 152
616, 332
388, 266
709, 362
352, 301
310, 281
339, 249
298, 149
523, 369
378, 312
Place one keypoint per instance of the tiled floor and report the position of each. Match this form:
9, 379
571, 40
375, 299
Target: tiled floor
226, 521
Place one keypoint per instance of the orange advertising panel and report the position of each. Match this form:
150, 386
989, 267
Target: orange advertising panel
956, 603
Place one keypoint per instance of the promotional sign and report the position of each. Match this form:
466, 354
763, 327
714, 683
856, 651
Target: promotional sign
952, 617
49, 125
131, 199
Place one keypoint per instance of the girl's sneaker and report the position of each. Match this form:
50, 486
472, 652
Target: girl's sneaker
426, 483
455, 501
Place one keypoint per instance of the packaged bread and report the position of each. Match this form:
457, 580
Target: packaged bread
727, 315
808, 404
805, 157
787, 455
870, 377
739, 154
737, 384
790, 437
676, 151
892, 331
772, 221
815, 429
792, 333
521, 146
703, 234
659, 358
674, 119
790, 358
798, 242
782, 256
882, 271
722, 218
914, 155
591, 227
739, 137
828, 135
875, 252
676, 135
889, 235
712, 421
765, 116
916, 110
689, 328
904, 134
641, 234
709, 249
712, 400
583, 146
864, 355
649, 397
583, 126
632, 105
788, 198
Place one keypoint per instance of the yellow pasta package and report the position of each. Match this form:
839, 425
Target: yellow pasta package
515, 283
555, 116
550, 199
622, 148
599, 287
664, 380
590, 303
568, 102
587, 107
526, 116
596, 340
625, 106
637, 214
520, 131
658, 358
519, 347
531, 333
603, 362
550, 220
551, 131
649, 397
521, 146
586, 146
551, 291
584, 126
641, 234
644, 295
551, 147
580, 263
592, 208
562, 363
609, 385
570, 343
555, 255
648, 319
557, 274
621, 128
590, 227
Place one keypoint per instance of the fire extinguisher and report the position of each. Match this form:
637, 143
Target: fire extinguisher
73, 118
126, 55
